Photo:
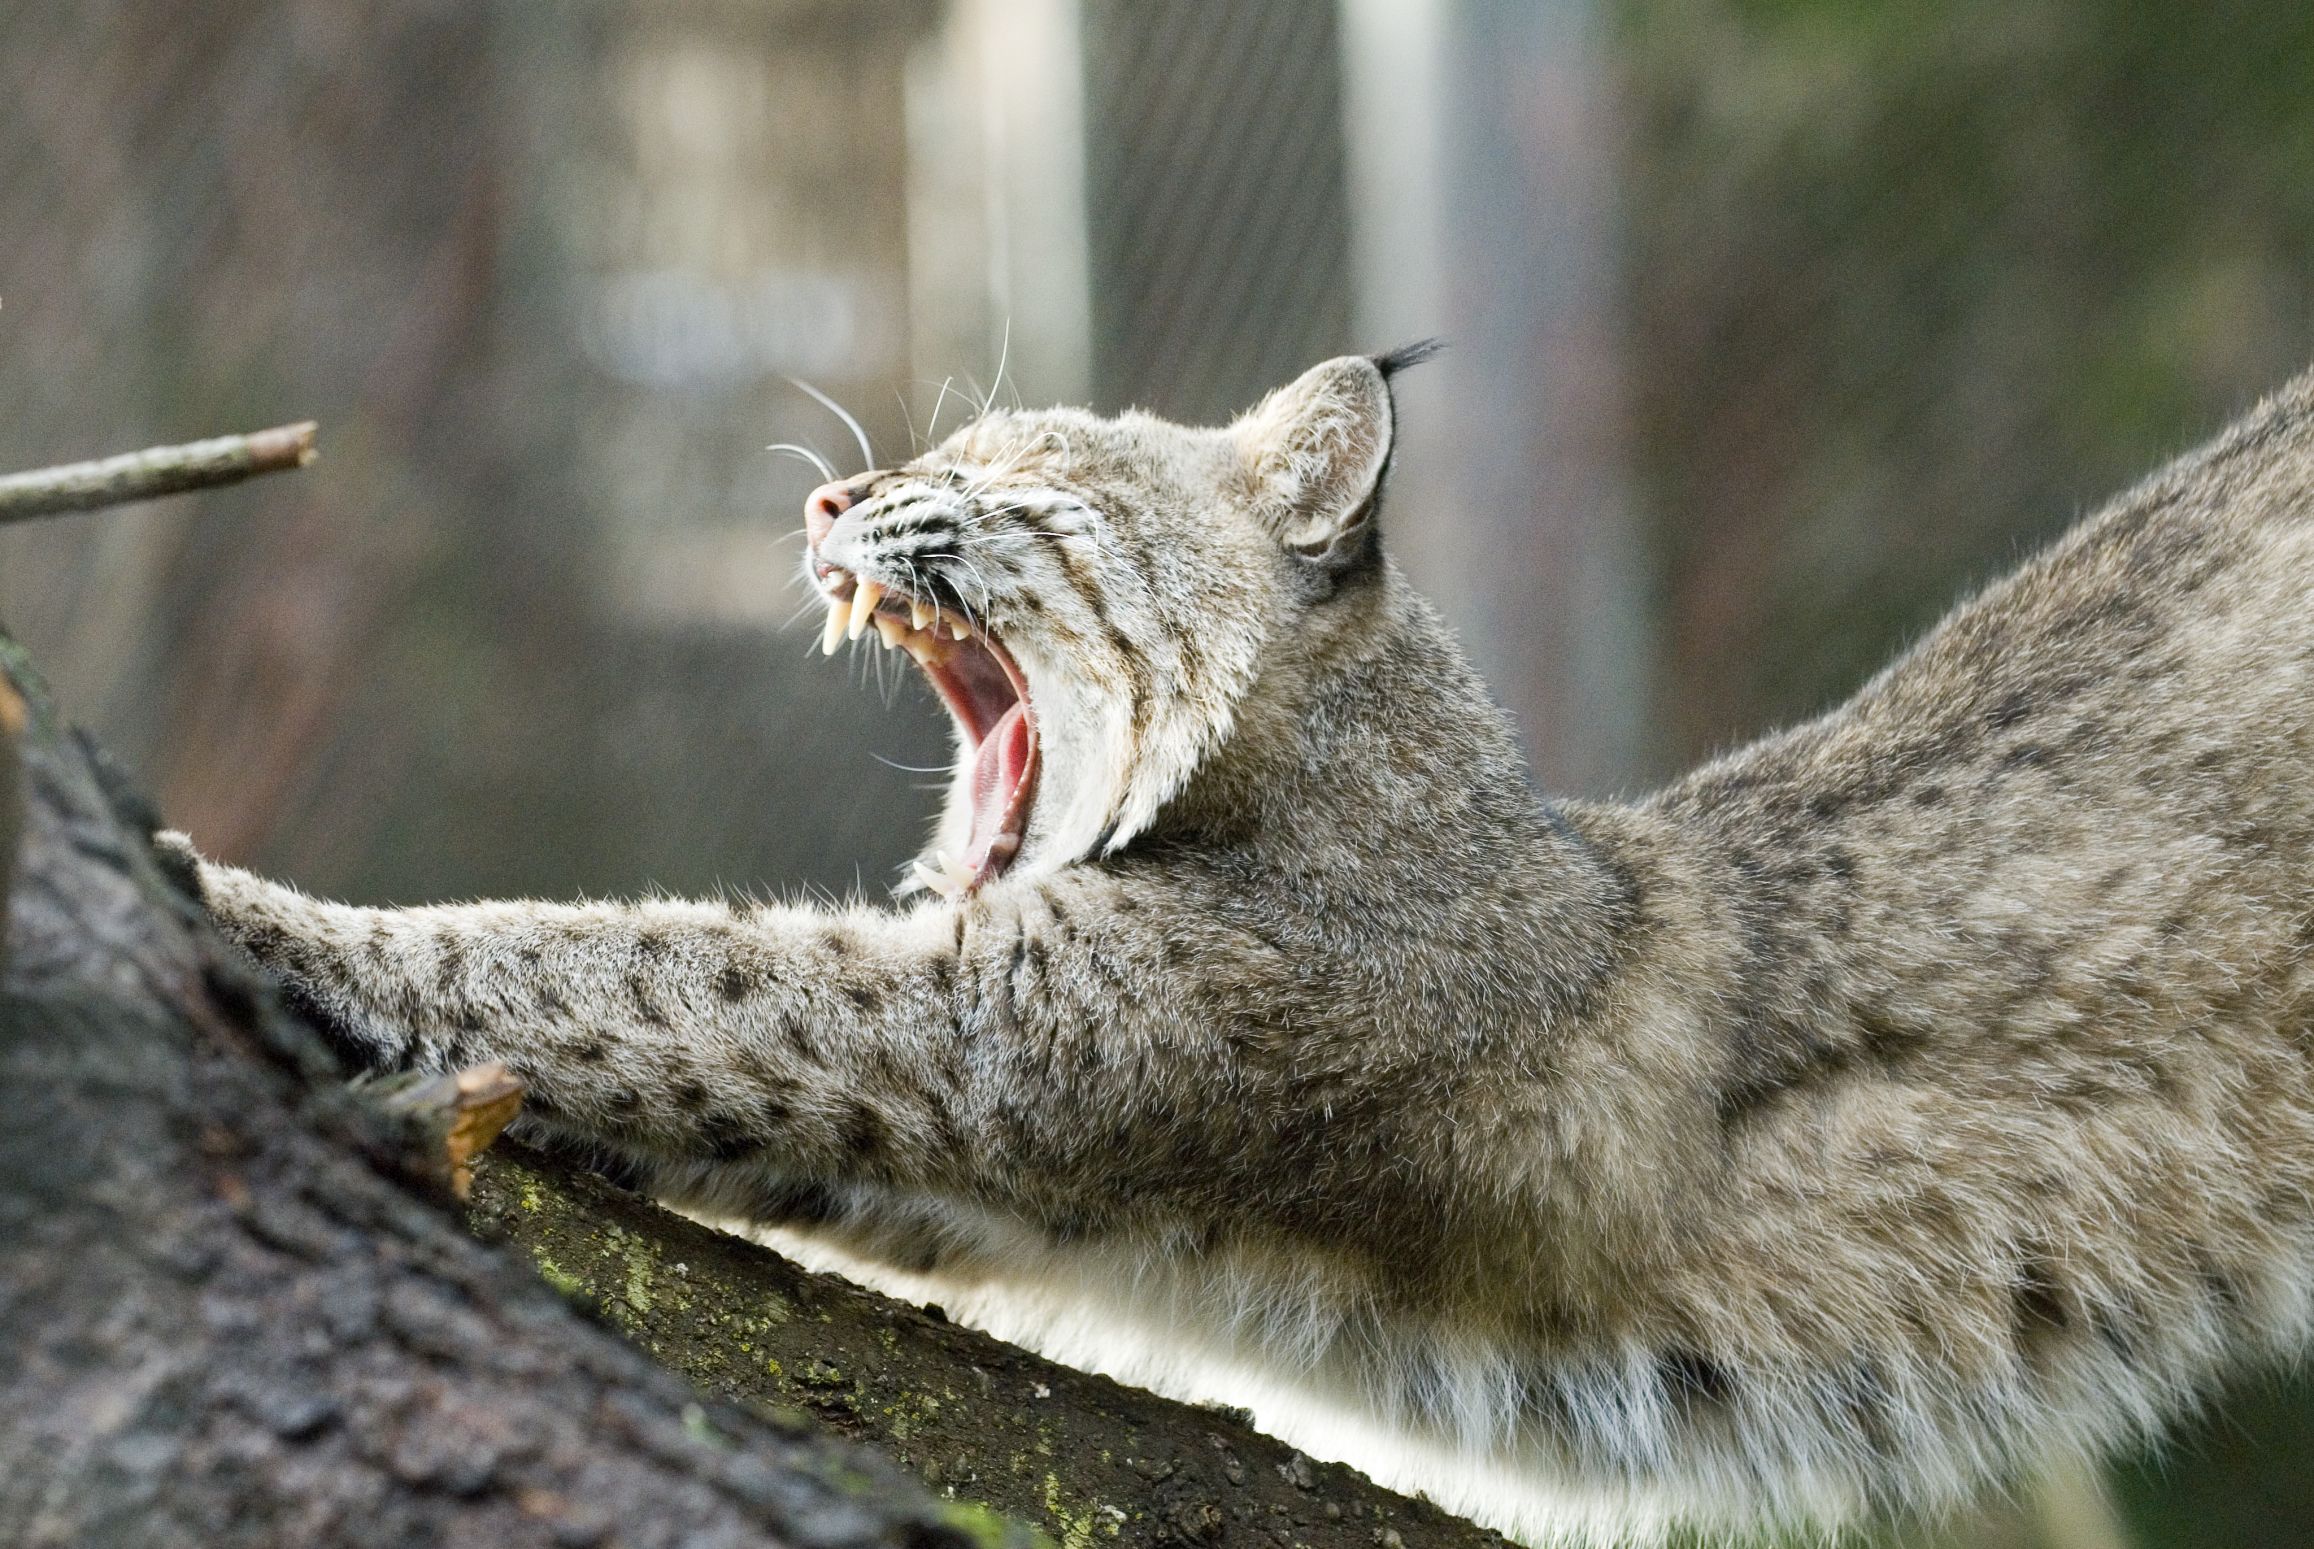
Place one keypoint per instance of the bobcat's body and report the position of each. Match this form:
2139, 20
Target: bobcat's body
1885, 1110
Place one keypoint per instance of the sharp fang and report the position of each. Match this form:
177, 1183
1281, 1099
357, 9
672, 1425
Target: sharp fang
864, 601
938, 881
838, 614
919, 614
891, 629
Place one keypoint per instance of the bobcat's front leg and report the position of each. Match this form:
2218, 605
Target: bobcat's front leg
734, 1055
685, 1037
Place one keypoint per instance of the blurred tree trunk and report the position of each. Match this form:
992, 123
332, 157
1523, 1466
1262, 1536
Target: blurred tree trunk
234, 1310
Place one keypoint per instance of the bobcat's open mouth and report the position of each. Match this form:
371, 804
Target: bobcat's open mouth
985, 692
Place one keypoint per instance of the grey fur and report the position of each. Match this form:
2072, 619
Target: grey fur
1870, 1118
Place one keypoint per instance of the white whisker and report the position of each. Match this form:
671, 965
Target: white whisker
914, 444
805, 454
933, 429
978, 579
867, 454
1003, 355
999, 470
889, 763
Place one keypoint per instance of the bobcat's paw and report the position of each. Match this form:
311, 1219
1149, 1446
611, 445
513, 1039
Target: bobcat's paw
281, 933
173, 852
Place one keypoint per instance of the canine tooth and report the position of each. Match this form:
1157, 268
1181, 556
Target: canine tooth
938, 881
833, 636
864, 601
890, 628
919, 614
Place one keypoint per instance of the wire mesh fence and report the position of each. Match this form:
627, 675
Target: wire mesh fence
1863, 301
1219, 216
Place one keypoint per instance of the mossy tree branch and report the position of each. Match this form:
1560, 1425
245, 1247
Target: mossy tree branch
1088, 1460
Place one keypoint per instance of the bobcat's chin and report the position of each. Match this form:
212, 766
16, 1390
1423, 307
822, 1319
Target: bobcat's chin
987, 696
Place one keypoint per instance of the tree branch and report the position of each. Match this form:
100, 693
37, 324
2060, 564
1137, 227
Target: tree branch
160, 470
1088, 1460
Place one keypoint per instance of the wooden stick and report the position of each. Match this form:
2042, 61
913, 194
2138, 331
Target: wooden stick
161, 470
461, 1111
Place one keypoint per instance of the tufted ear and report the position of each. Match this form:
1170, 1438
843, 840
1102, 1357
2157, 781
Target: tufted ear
1316, 450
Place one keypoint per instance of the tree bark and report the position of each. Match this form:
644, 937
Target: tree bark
232, 1311
236, 1306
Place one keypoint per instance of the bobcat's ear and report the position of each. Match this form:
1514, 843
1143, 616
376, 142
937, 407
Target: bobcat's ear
1316, 450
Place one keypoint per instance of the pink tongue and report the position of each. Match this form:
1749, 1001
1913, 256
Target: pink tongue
998, 765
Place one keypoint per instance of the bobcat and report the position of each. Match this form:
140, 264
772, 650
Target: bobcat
1890, 1109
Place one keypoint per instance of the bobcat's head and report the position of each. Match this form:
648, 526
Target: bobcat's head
1096, 599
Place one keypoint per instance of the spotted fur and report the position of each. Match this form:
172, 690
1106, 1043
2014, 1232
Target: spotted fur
1877, 1115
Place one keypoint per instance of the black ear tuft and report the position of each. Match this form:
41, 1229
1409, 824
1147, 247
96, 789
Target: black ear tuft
1391, 362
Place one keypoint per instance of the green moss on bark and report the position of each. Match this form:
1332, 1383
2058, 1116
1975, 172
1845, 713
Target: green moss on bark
991, 1427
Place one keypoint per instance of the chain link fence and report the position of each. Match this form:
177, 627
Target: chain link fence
1219, 216
1888, 295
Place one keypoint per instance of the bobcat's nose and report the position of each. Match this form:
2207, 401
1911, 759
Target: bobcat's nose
822, 507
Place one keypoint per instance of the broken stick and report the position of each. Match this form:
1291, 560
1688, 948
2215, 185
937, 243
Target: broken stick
160, 470
459, 1112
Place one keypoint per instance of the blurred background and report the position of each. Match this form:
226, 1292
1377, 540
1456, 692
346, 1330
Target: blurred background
1775, 324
